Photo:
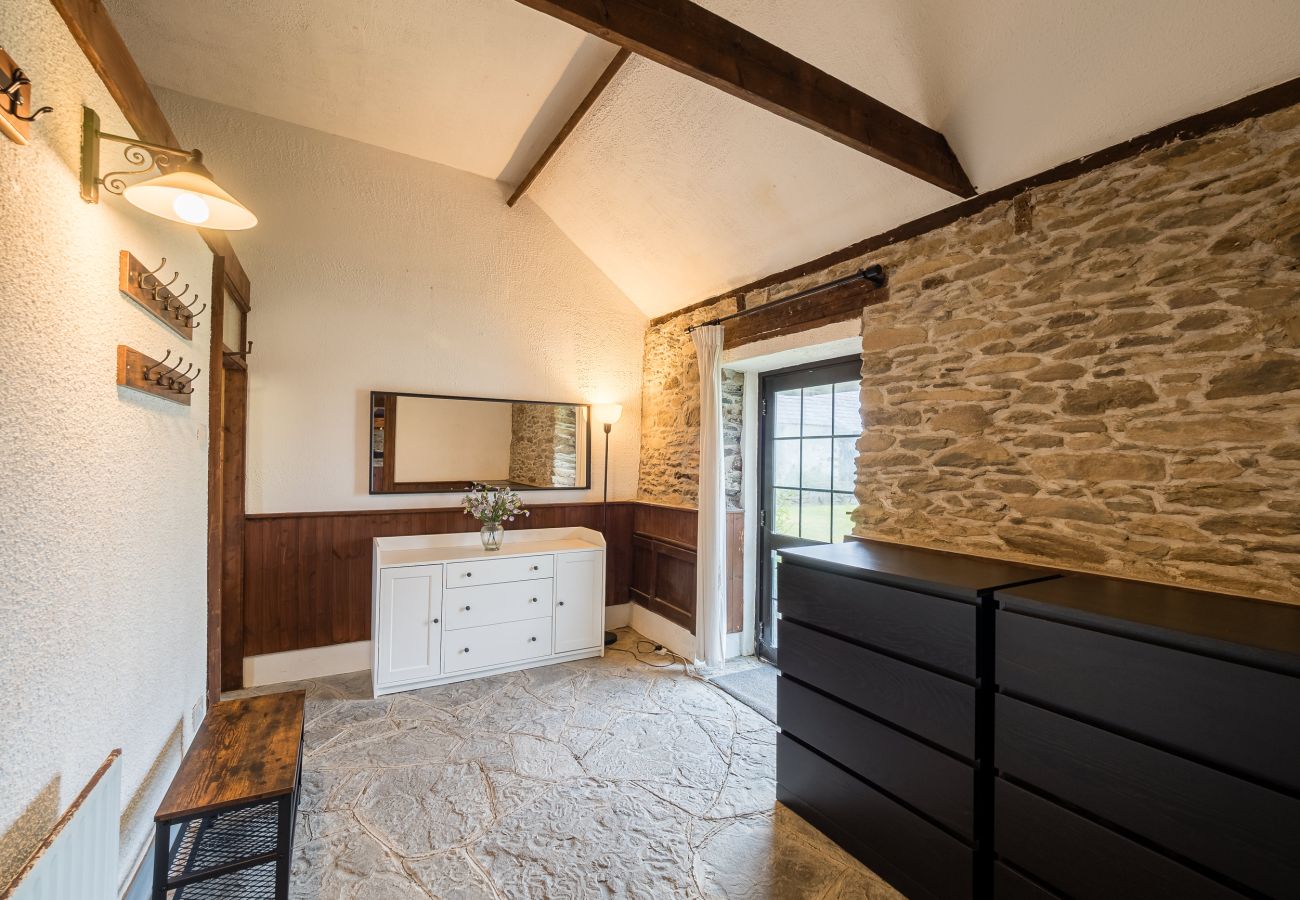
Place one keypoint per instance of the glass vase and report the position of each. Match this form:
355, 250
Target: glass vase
492, 533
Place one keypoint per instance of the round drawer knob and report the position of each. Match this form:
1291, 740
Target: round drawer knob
435, 621
561, 603
532, 640
469, 574
535, 568
467, 609
466, 649
533, 600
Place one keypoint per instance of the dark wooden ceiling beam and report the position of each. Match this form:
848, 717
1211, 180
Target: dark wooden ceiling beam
696, 42
587, 103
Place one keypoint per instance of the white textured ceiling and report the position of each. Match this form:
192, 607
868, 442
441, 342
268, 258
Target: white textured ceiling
677, 191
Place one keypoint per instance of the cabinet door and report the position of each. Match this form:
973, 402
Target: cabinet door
409, 630
579, 601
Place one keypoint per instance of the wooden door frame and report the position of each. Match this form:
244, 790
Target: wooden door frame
225, 656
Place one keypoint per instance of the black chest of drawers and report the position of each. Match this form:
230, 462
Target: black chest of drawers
885, 707
1147, 743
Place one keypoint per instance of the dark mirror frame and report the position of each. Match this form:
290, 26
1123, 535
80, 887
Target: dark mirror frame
382, 449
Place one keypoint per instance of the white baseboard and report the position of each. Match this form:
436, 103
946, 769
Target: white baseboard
655, 627
619, 616
658, 629
314, 662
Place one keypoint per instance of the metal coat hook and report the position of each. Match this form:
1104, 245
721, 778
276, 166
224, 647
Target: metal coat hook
167, 374
194, 315
148, 375
242, 354
189, 383
17, 81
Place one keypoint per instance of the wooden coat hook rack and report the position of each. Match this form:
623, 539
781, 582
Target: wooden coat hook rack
157, 296
156, 377
16, 100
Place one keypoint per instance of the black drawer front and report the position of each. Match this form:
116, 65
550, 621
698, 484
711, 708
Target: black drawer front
931, 782
1085, 860
937, 708
917, 858
931, 630
1011, 885
1232, 826
1215, 710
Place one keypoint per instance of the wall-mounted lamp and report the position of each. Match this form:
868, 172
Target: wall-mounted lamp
606, 414
184, 191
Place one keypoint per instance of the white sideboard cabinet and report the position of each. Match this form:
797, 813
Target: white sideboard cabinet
447, 610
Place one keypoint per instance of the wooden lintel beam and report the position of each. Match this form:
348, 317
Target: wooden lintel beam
587, 103
696, 42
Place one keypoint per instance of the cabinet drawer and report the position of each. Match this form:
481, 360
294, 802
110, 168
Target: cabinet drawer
1246, 832
933, 706
495, 645
917, 858
1008, 884
494, 571
1222, 712
490, 604
1085, 860
932, 630
931, 782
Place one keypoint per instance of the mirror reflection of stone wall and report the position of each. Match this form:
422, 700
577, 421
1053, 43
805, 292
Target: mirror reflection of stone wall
544, 445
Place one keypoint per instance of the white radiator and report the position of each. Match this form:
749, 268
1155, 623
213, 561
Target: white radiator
78, 859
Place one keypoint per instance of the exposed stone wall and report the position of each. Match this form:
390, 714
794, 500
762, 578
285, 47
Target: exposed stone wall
670, 414
544, 444
1103, 376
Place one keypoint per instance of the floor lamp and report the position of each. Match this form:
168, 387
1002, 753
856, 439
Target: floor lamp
606, 414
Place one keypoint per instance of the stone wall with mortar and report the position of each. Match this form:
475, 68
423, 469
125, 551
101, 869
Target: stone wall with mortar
1102, 375
544, 444
670, 413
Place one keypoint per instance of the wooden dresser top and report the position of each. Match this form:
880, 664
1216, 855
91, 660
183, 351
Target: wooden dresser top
245, 751
916, 568
1259, 632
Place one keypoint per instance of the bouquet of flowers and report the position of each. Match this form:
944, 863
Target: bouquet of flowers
492, 506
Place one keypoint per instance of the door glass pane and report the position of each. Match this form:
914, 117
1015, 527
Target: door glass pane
845, 467
817, 410
785, 463
232, 324
841, 524
816, 520
816, 465
785, 413
785, 516
848, 408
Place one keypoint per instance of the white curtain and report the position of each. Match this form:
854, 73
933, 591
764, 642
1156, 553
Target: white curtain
711, 541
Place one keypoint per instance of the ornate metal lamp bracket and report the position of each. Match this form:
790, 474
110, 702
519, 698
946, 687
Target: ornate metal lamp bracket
143, 155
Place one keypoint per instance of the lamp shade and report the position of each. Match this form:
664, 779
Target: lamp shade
192, 198
607, 413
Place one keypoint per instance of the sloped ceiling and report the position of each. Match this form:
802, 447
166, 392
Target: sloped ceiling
676, 190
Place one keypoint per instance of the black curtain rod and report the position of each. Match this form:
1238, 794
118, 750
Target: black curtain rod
874, 274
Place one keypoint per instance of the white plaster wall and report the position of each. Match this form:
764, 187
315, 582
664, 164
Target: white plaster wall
377, 271
102, 490
451, 440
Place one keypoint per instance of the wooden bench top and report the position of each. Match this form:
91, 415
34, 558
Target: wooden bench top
246, 750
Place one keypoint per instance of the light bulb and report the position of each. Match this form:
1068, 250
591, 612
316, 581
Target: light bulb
191, 208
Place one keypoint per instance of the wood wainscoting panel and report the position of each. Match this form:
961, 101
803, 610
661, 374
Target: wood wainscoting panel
307, 576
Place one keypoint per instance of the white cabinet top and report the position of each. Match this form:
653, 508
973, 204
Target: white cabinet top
423, 549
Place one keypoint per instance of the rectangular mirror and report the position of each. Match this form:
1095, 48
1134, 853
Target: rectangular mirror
428, 443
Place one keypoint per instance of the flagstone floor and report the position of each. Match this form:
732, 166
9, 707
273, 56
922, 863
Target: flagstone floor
593, 779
